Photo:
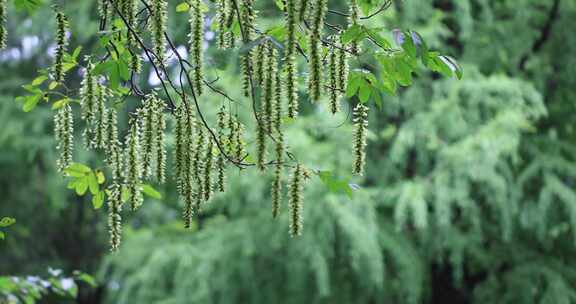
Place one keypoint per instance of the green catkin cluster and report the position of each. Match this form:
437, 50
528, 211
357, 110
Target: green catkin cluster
101, 123
152, 123
61, 45
235, 138
269, 83
261, 143
64, 133
157, 28
3, 30
353, 18
103, 9
290, 59
360, 130
314, 43
221, 160
296, 202
333, 81
277, 181
129, 8
88, 103
113, 148
114, 215
133, 165
208, 166
196, 38
247, 19
186, 151
342, 66
304, 7
225, 21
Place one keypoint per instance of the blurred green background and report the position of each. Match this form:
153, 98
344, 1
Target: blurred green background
468, 197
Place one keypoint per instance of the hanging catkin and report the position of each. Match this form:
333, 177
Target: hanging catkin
314, 43
196, 38
290, 59
360, 130
333, 81
221, 160
157, 28
342, 63
64, 133
208, 166
101, 132
61, 45
247, 19
295, 202
88, 95
352, 21
160, 157
3, 30
133, 167
113, 148
114, 215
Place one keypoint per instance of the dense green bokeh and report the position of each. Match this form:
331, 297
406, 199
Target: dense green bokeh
468, 196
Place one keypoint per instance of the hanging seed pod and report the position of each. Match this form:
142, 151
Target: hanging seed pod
103, 9
129, 10
261, 144
114, 215
160, 160
247, 18
269, 87
315, 78
88, 96
64, 133
296, 202
133, 173
333, 83
225, 21
157, 28
221, 160
61, 45
290, 59
277, 181
208, 164
3, 30
196, 37
360, 130
240, 152
352, 21
342, 63
113, 148
277, 102
101, 131
149, 127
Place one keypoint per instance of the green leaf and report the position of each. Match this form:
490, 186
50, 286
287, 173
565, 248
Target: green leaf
354, 33
353, 84
81, 186
60, 103
30, 102
77, 170
151, 192
52, 85
100, 177
335, 185
86, 278
76, 52
98, 200
39, 80
7, 221
29, 5
364, 91
182, 7
2, 235
93, 183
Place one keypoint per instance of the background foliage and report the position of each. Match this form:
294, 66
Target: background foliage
468, 195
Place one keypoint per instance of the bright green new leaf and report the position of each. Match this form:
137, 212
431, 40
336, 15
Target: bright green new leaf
7, 221
151, 192
98, 200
